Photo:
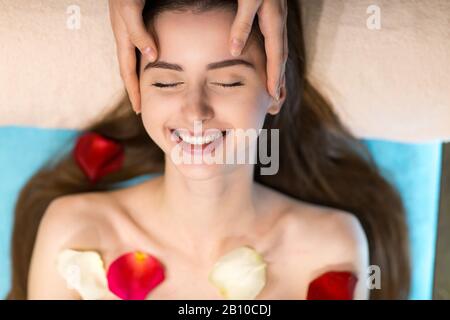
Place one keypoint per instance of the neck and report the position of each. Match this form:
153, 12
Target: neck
215, 208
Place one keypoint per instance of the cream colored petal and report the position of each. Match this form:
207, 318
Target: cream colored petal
83, 271
240, 274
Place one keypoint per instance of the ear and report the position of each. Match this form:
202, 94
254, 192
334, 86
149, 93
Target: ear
275, 107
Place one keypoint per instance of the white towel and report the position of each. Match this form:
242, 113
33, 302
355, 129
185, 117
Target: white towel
392, 83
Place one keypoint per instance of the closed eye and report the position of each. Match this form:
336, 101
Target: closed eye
171, 85
228, 85
166, 85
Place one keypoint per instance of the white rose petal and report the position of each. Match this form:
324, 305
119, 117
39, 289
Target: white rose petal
84, 272
240, 274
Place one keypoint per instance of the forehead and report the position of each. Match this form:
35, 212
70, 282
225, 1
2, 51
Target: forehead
187, 37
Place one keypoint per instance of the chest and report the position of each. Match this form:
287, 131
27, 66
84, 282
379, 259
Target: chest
187, 278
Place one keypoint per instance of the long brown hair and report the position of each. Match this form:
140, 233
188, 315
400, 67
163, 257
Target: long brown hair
321, 163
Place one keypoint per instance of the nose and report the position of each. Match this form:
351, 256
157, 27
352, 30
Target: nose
197, 107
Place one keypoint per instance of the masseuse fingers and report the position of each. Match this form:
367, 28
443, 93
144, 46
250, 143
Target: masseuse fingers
127, 61
242, 24
129, 35
125, 53
285, 56
131, 13
272, 21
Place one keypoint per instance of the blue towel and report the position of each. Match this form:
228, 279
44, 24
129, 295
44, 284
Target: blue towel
413, 168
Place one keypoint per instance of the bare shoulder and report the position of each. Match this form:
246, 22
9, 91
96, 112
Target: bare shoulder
82, 219
315, 223
336, 232
85, 220
329, 239
67, 215
73, 221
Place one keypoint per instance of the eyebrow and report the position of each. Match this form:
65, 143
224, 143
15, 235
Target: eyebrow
211, 66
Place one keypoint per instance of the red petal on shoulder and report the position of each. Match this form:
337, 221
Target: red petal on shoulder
332, 285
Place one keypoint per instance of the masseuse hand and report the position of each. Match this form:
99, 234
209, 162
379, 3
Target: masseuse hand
130, 32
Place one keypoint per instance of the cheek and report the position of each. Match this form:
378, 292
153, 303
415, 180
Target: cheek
246, 110
155, 113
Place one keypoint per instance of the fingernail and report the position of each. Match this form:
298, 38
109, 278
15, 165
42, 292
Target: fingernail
236, 47
149, 53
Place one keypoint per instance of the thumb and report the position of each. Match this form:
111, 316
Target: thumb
242, 25
137, 32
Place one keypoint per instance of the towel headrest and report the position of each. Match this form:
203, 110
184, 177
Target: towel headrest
391, 83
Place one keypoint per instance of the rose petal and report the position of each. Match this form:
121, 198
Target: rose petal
84, 272
332, 286
240, 274
98, 156
133, 275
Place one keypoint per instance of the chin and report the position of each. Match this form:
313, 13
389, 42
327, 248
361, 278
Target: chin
202, 171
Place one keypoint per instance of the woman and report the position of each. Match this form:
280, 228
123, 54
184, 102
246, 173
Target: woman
327, 207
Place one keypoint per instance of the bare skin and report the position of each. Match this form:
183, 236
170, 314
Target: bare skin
194, 214
298, 240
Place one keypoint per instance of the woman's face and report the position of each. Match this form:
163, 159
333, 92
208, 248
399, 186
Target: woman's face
191, 49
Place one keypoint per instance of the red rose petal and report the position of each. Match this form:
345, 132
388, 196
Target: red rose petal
133, 275
98, 156
332, 286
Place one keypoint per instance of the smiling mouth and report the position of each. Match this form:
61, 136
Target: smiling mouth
204, 140
197, 144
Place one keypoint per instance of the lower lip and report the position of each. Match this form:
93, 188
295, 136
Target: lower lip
198, 149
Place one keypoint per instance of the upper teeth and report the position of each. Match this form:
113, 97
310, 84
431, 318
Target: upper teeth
198, 140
